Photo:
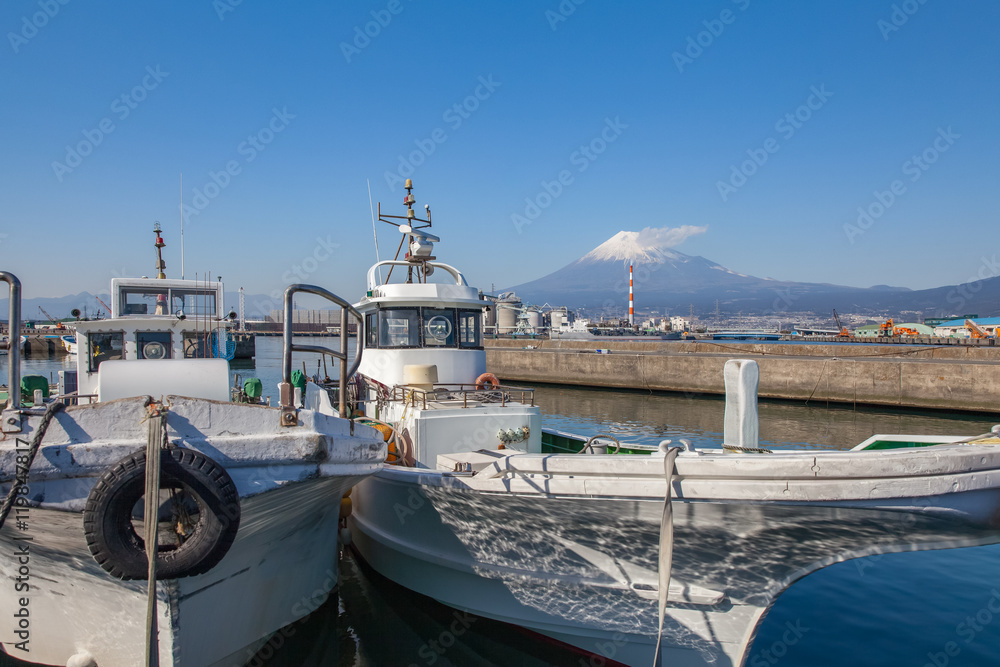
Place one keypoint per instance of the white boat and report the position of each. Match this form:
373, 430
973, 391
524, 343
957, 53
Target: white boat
590, 548
248, 509
69, 343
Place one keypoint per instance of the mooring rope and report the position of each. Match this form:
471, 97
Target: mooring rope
36, 441
666, 546
155, 443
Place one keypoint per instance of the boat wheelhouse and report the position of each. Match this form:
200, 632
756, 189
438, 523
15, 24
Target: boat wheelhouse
248, 511
155, 320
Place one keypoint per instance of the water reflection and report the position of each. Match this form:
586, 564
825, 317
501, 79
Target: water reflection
647, 418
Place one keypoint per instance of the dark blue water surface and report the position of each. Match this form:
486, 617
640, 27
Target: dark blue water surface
937, 609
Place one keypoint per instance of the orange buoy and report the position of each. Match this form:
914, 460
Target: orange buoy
487, 378
346, 507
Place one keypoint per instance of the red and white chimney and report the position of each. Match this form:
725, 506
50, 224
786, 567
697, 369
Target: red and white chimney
631, 302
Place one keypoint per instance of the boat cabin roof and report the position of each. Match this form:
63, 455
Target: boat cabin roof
143, 297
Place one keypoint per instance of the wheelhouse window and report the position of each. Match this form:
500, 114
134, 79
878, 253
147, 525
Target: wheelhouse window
399, 327
197, 345
371, 331
469, 328
439, 327
193, 302
153, 344
105, 347
138, 301
432, 328
153, 301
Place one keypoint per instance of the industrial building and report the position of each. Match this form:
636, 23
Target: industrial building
872, 330
960, 329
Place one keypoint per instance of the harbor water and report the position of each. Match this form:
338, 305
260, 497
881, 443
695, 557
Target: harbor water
937, 608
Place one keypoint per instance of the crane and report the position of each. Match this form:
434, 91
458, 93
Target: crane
843, 330
59, 325
976, 331
106, 307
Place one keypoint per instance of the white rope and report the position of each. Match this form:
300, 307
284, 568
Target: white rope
666, 546
154, 446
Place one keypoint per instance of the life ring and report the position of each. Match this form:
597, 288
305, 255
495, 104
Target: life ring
204, 503
485, 378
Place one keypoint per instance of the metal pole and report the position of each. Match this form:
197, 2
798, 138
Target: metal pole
343, 363
286, 362
14, 336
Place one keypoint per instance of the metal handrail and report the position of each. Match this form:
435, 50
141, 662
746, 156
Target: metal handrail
288, 417
455, 273
13, 341
408, 394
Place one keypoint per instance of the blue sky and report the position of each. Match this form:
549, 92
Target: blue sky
768, 123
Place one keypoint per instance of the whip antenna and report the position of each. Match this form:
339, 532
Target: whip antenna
374, 233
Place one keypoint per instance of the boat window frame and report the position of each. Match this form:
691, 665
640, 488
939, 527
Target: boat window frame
425, 322
419, 326
477, 316
371, 330
193, 342
205, 301
169, 344
127, 309
373, 324
91, 366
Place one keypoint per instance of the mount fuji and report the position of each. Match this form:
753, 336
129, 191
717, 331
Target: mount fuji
669, 280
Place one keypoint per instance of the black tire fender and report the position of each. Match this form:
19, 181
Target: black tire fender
120, 550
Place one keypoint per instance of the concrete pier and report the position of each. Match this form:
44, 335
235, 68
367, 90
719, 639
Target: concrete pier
930, 377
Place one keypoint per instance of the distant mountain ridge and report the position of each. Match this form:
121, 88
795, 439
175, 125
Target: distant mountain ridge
672, 281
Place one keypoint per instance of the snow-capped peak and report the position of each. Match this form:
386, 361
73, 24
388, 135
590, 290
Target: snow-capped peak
646, 247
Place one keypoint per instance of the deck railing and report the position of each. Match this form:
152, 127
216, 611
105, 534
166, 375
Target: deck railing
441, 392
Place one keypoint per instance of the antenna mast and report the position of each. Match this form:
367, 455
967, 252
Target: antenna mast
160, 264
374, 233
182, 226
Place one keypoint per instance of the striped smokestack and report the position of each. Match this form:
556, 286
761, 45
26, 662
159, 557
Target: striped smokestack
631, 302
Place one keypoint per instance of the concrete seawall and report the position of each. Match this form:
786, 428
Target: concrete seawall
941, 378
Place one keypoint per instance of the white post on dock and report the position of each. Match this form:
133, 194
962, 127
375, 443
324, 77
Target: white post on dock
742, 425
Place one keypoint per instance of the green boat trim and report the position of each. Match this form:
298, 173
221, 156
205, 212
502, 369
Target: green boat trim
562, 442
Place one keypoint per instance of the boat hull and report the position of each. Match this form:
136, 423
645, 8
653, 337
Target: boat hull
583, 570
281, 566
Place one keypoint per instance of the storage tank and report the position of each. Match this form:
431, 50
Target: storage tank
534, 319
508, 307
490, 314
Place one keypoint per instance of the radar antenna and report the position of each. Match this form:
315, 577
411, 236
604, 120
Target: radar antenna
420, 243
